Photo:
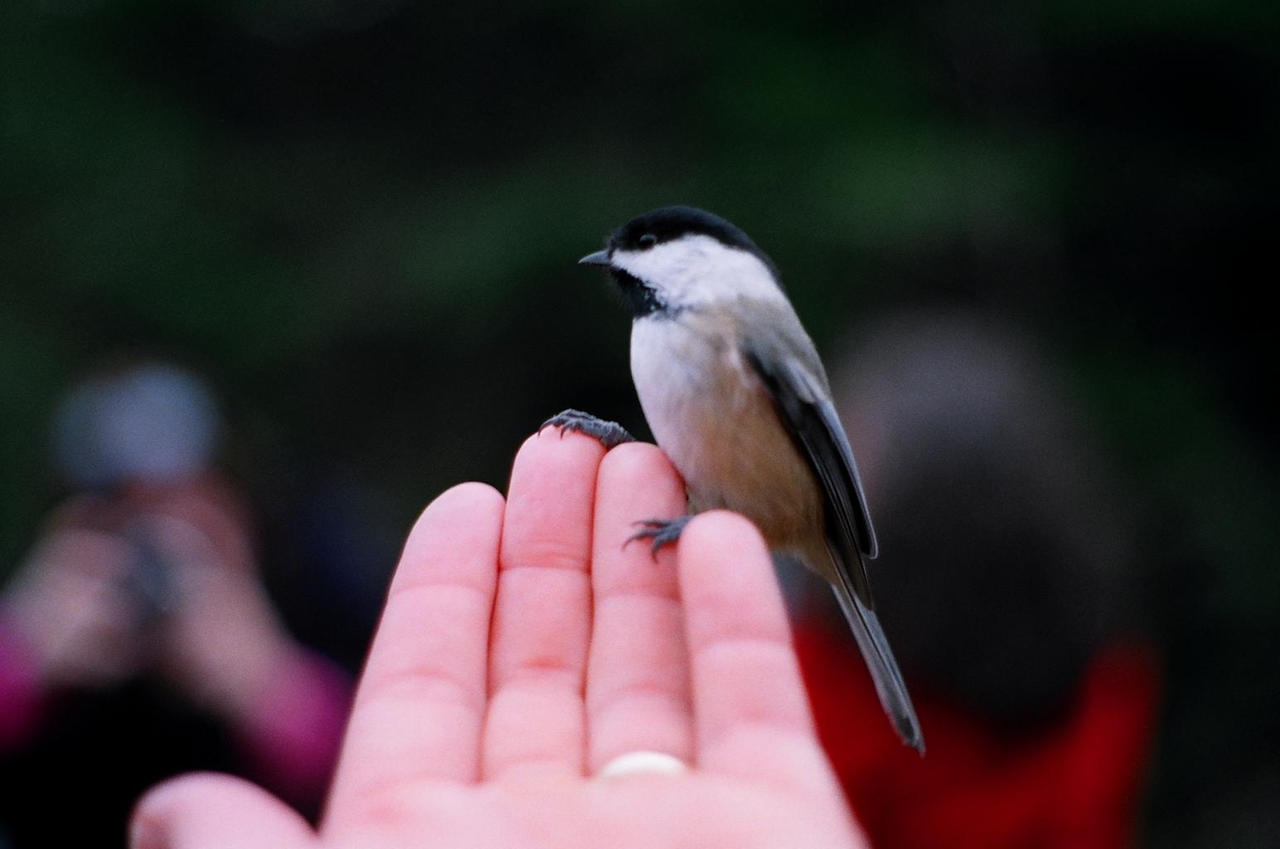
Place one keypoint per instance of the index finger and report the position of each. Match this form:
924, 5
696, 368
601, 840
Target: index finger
420, 702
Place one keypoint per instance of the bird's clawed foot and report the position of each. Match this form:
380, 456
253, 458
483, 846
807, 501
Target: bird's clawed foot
609, 433
659, 531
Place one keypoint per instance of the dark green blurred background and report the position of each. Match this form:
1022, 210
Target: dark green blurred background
360, 221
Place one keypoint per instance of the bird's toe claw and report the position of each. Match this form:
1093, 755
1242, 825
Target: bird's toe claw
659, 532
608, 433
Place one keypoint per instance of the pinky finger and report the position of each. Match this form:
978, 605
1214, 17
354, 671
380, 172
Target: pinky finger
752, 713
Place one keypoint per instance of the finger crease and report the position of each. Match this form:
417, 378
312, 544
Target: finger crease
424, 682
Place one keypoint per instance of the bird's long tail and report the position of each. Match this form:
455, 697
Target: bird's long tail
879, 658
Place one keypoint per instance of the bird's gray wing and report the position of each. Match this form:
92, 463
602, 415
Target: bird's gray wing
805, 409
798, 386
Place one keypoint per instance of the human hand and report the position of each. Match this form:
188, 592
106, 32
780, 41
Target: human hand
220, 640
71, 606
522, 647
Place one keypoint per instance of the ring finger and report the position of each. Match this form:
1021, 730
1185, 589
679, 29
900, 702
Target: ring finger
637, 671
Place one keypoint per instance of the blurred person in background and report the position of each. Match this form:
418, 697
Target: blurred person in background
136, 640
1005, 581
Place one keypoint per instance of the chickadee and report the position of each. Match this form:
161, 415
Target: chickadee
736, 396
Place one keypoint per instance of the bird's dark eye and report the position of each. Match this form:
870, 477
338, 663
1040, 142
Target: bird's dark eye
647, 241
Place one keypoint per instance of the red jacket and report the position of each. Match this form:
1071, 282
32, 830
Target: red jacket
1076, 785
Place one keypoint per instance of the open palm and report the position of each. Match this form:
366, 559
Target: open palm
523, 646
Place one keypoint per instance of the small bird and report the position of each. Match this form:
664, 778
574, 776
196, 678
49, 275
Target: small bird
736, 396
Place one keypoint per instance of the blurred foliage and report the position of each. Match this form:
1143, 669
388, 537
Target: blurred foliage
360, 221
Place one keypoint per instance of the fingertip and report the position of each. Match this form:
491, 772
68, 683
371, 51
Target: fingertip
639, 461
557, 446
723, 537
727, 577
159, 797
636, 482
464, 497
556, 434
459, 506
205, 808
147, 820
637, 455
465, 517
549, 499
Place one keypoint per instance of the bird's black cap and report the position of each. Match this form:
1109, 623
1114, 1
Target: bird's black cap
672, 222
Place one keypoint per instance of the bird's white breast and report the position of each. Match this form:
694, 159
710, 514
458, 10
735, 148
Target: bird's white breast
709, 412
683, 369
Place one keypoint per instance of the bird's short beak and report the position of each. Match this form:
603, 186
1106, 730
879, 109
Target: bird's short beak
597, 258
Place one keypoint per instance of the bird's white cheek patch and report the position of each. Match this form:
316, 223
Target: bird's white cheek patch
697, 270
